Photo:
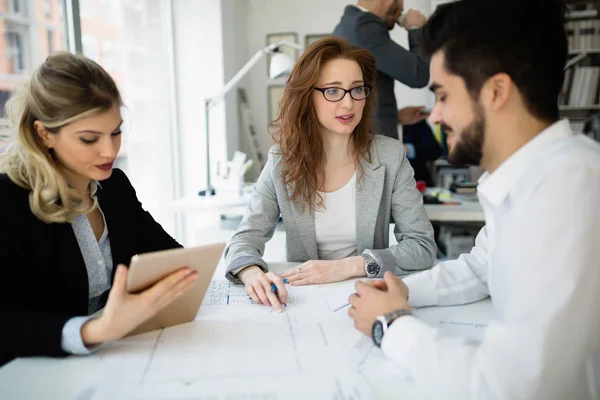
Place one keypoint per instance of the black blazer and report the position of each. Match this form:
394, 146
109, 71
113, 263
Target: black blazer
44, 278
394, 62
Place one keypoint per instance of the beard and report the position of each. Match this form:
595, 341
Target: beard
392, 15
468, 148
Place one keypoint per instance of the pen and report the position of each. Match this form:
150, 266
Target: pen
274, 287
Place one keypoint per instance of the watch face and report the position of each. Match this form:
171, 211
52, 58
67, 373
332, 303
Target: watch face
377, 333
372, 268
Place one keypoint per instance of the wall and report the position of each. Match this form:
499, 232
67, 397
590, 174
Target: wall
304, 17
235, 55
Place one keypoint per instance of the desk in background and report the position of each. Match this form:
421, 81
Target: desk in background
238, 350
467, 211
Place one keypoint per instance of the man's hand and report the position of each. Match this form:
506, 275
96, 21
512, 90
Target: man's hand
411, 115
414, 19
320, 271
373, 300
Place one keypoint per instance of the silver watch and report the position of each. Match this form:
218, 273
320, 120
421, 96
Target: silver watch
383, 322
372, 267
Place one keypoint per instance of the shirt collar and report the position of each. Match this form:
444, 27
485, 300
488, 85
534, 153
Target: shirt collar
360, 8
94, 187
495, 187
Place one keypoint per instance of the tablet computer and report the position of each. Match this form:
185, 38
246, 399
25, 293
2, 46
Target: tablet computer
148, 268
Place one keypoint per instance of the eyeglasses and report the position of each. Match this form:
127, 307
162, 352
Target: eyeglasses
335, 94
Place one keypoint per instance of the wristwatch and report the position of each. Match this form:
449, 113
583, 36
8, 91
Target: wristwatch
372, 267
383, 322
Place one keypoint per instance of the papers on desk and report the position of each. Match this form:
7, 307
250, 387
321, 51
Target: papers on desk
244, 352
468, 321
221, 293
336, 294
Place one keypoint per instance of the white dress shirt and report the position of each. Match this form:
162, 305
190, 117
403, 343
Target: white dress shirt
335, 231
538, 259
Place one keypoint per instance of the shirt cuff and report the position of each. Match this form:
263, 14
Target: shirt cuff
400, 338
71, 341
237, 265
421, 290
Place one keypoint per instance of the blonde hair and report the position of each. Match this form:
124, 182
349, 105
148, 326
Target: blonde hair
64, 89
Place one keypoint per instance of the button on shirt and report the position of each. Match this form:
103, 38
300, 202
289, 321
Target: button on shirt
99, 265
537, 257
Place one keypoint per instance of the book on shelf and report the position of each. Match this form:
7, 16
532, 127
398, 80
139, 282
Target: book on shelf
580, 87
583, 35
579, 98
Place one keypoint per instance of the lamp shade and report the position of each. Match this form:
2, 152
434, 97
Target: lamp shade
281, 65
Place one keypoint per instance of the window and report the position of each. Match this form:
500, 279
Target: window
111, 56
87, 9
50, 40
48, 8
17, 7
27, 39
132, 48
90, 47
15, 52
110, 11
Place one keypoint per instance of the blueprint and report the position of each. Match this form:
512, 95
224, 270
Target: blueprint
242, 352
236, 350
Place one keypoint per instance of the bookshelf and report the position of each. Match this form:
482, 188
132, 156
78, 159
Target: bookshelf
579, 100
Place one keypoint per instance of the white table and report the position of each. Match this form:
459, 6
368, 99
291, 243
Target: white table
239, 352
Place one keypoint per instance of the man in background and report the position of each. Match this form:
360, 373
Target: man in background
367, 25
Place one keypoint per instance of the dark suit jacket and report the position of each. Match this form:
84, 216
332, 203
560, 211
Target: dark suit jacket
426, 146
44, 278
394, 62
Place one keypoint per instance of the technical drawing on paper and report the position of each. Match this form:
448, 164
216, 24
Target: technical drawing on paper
222, 293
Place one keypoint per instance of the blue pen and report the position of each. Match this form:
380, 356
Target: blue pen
274, 287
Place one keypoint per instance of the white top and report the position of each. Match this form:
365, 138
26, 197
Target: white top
335, 224
537, 257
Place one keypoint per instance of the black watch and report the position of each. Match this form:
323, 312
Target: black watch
383, 322
372, 267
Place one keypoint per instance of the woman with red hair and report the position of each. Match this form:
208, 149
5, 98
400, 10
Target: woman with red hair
335, 184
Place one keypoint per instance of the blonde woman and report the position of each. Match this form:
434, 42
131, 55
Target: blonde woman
68, 221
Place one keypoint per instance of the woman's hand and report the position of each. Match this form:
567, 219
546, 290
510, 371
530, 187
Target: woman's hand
259, 287
320, 271
125, 311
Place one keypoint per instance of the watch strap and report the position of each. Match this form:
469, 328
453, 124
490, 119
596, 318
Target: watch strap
394, 315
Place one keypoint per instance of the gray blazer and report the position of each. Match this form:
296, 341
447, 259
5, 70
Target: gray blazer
386, 191
394, 62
